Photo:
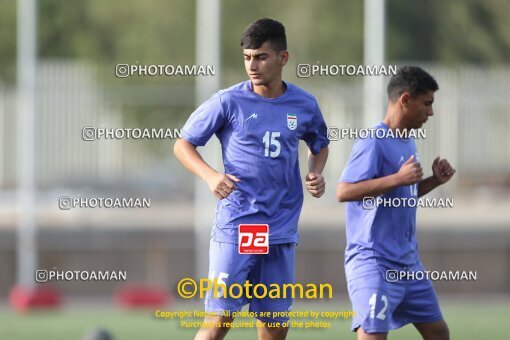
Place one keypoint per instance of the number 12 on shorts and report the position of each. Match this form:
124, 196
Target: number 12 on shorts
373, 302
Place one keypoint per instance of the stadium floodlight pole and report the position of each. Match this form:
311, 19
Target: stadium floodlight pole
373, 54
26, 73
207, 51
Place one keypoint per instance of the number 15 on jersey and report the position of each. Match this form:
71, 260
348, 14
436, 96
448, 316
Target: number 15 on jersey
272, 146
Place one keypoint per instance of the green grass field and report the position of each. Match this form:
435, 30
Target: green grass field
466, 320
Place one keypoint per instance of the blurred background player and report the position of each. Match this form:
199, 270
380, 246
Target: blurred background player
380, 238
98, 334
259, 124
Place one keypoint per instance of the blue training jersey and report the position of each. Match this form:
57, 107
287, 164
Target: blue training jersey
259, 140
385, 234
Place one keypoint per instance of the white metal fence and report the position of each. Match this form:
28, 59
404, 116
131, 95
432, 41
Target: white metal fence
469, 127
472, 117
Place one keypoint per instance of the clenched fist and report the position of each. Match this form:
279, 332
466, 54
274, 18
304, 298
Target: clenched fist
315, 184
442, 170
410, 172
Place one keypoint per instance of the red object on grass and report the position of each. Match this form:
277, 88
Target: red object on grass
141, 296
23, 299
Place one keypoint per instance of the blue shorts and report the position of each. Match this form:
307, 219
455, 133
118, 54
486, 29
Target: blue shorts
381, 305
228, 266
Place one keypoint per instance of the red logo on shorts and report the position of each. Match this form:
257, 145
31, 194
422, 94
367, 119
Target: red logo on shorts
253, 239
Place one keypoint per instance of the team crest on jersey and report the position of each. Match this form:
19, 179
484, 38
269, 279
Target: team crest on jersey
291, 121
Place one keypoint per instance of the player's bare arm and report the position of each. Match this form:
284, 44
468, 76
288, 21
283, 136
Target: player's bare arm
221, 185
315, 183
410, 173
442, 172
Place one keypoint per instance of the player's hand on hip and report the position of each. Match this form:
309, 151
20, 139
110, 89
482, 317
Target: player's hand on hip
442, 170
410, 172
222, 185
315, 184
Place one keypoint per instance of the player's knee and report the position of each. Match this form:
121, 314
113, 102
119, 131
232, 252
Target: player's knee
265, 333
218, 332
370, 336
439, 333
210, 334
443, 334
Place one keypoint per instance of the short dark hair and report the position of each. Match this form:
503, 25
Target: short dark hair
264, 30
411, 79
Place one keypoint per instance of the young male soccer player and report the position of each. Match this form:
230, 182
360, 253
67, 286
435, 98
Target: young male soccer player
259, 124
381, 239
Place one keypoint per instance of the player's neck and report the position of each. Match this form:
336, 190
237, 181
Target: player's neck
393, 121
272, 90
